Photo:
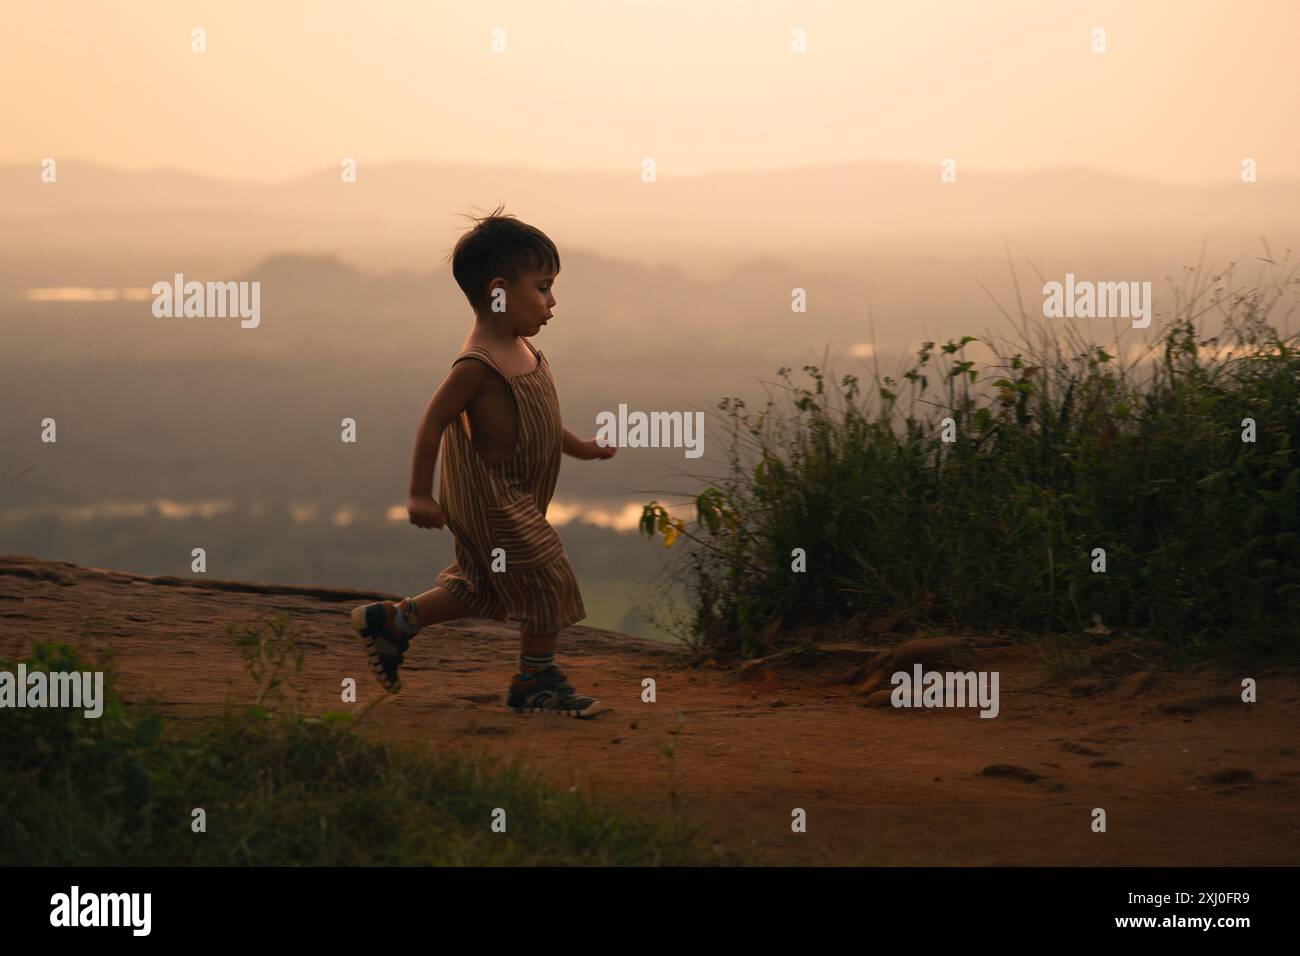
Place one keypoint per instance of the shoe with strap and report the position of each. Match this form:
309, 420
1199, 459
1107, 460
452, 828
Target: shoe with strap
548, 692
384, 643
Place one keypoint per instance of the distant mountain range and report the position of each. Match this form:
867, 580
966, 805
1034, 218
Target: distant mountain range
408, 215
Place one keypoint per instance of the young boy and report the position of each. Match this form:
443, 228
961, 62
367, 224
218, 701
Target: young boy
497, 418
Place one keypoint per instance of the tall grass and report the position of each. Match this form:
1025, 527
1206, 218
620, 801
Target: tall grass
1056, 447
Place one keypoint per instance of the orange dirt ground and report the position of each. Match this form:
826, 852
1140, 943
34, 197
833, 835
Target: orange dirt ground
1187, 774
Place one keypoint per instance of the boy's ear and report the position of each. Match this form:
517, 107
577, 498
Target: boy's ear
497, 283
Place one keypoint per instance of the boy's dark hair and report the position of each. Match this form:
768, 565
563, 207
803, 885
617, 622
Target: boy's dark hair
499, 245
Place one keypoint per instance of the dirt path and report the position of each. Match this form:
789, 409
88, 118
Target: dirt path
1182, 780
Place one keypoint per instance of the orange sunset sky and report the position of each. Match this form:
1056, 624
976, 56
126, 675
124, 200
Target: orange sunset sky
1183, 93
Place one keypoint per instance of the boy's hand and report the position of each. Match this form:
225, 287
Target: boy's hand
425, 512
598, 451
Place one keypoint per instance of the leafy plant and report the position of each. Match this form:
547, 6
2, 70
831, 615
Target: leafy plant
968, 494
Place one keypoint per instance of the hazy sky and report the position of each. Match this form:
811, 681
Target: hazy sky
1185, 90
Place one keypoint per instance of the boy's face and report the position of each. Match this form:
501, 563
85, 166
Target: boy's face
529, 301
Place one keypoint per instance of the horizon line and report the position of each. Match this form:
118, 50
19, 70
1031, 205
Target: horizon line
604, 171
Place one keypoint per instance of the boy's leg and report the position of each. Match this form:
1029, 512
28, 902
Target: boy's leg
536, 652
437, 605
385, 629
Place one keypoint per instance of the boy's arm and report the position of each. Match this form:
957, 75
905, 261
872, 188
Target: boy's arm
455, 392
586, 450
573, 445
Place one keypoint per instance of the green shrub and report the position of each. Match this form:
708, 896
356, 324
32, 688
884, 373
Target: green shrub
1059, 448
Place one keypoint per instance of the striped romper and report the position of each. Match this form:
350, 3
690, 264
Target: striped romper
503, 505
